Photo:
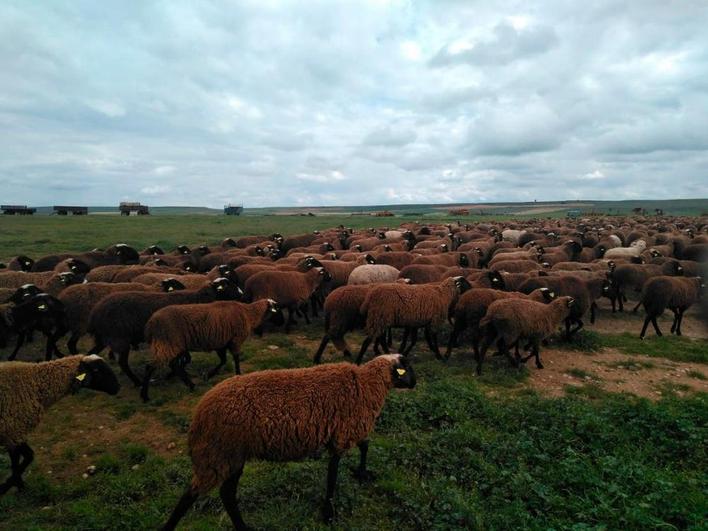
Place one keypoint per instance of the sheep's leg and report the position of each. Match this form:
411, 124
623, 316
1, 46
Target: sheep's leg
304, 313
362, 350
620, 300
24, 451
389, 336
656, 326
313, 304
98, 346
71, 344
291, 320
593, 311
341, 344
456, 331
123, 363
636, 308
361, 473
680, 321
404, 340
414, 339
383, 343
149, 369
14, 464
228, 498
221, 352
236, 355
177, 366
536, 353
431, 339
675, 321
644, 328
328, 507
323, 344
183, 505
575, 330
20, 341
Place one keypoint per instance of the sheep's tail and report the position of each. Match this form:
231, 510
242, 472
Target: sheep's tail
162, 352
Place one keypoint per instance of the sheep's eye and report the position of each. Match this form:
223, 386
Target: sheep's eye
401, 372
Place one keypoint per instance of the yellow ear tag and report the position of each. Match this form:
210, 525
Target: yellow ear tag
81, 377
401, 372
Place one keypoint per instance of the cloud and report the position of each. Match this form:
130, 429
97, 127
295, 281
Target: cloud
279, 103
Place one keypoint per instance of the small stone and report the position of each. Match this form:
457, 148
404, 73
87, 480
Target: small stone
135, 467
84, 456
46, 508
273, 347
85, 475
100, 427
171, 446
91, 470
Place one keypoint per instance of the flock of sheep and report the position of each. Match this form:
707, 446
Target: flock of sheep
511, 286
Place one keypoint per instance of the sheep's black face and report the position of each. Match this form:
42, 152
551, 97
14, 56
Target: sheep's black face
189, 266
95, 373
226, 289
78, 267
259, 251
547, 294
154, 249
370, 259
225, 271
24, 292
464, 260
26, 262
3, 265
357, 247
275, 313
204, 250
159, 262
326, 277
127, 254
462, 285
171, 284
183, 249
496, 280
403, 374
68, 278
228, 242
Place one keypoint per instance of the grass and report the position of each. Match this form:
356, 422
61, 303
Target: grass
670, 347
698, 375
457, 452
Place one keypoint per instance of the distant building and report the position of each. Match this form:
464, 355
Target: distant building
19, 210
233, 210
127, 207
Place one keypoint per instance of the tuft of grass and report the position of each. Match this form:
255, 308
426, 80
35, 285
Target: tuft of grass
585, 340
631, 365
581, 374
696, 374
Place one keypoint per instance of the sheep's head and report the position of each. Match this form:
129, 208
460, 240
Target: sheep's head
189, 266
226, 289
464, 260
203, 250
387, 248
24, 292
78, 267
547, 294
126, 253
479, 251
154, 249
171, 284
226, 271
311, 261
228, 242
357, 247
654, 253
67, 278
94, 373
369, 259
326, 277
25, 262
402, 373
496, 280
443, 248
462, 285
159, 262
275, 313
183, 249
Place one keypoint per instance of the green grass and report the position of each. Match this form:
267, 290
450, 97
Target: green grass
670, 347
698, 375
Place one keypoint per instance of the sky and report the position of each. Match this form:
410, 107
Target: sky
277, 103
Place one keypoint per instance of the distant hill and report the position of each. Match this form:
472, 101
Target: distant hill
676, 207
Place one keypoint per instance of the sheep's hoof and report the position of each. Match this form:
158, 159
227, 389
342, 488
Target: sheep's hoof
539, 365
363, 476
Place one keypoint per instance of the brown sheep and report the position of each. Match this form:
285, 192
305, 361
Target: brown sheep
412, 307
118, 320
286, 415
676, 293
290, 289
472, 306
512, 321
176, 330
427, 273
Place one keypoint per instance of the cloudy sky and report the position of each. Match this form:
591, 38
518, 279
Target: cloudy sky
273, 103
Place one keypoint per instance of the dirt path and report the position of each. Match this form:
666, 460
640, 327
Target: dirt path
649, 377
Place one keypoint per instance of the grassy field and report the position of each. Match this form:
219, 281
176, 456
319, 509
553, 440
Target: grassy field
457, 452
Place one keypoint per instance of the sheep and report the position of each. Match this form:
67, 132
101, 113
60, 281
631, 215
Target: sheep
518, 266
290, 289
118, 320
284, 415
634, 250
675, 293
340, 271
583, 291
512, 320
41, 312
80, 299
119, 253
397, 259
373, 274
634, 276
28, 389
17, 295
472, 306
175, 330
21, 263
342, 315
414, 306
190, 281
427, 273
